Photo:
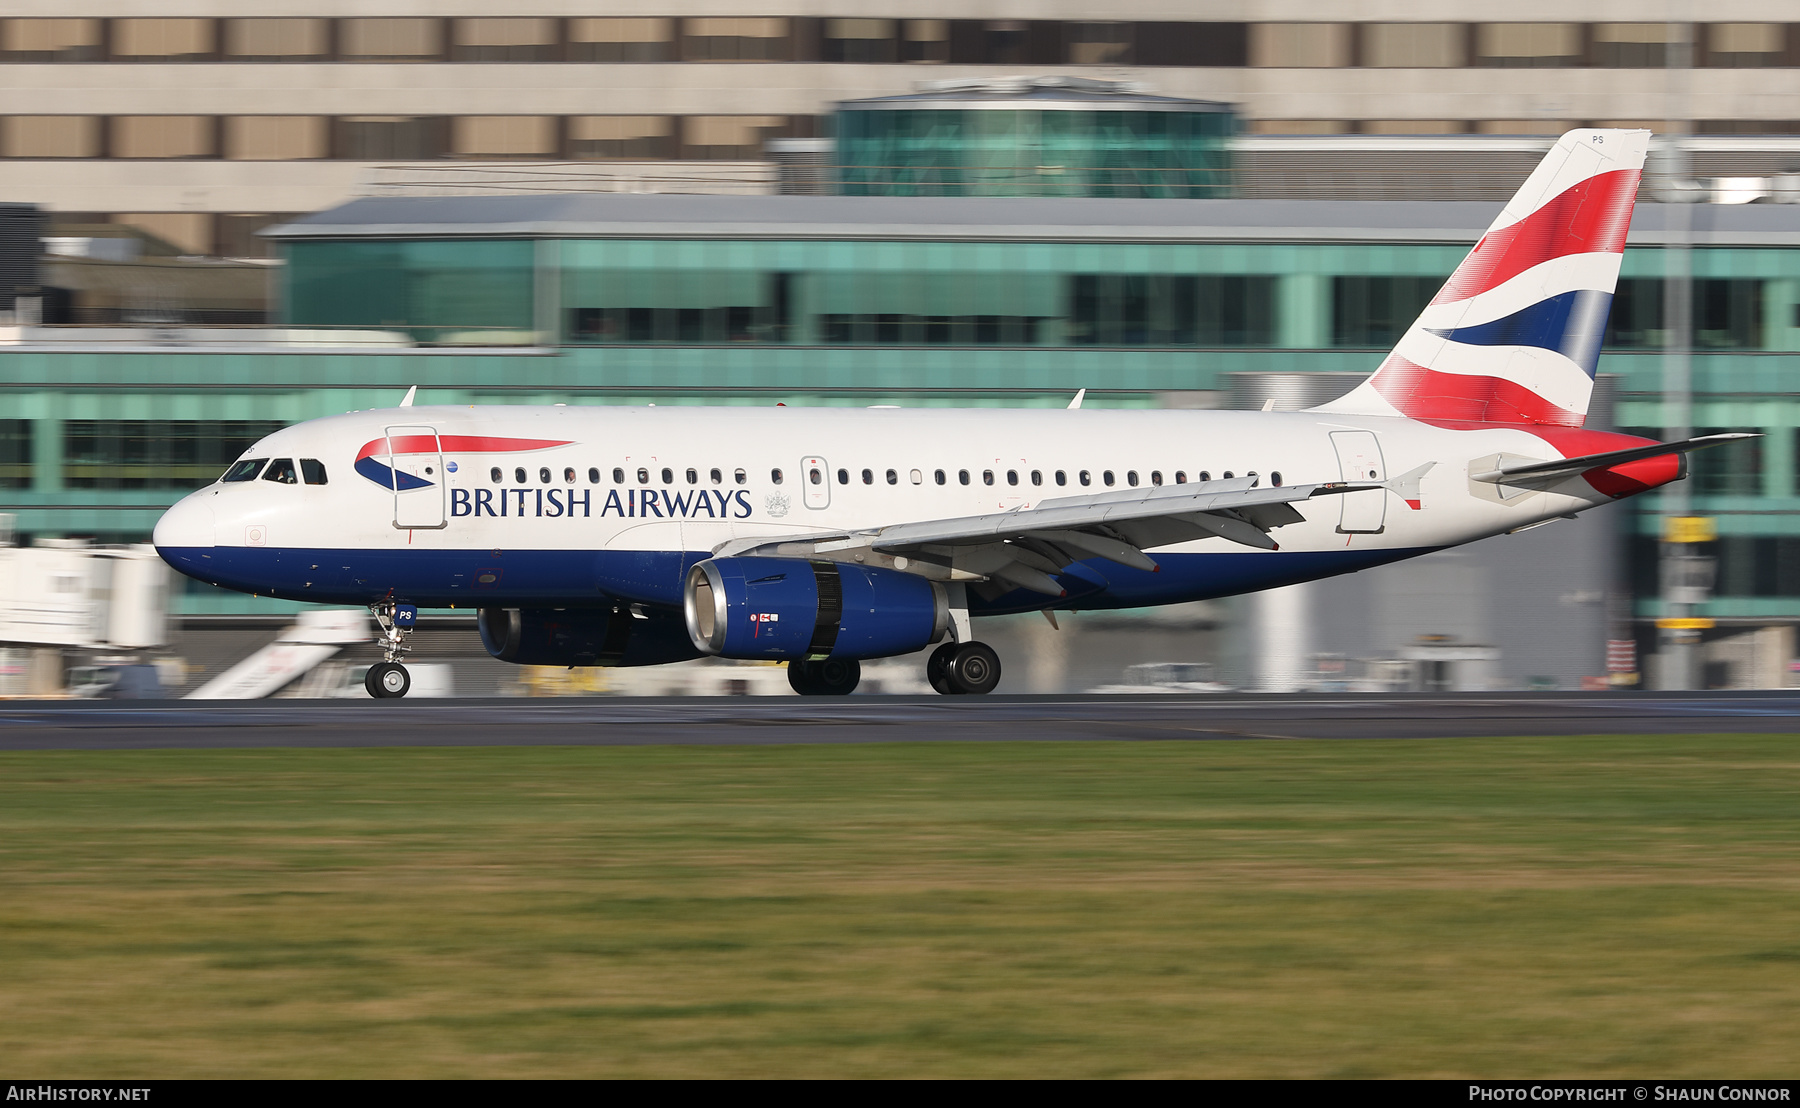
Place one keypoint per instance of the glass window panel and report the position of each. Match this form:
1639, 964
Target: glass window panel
1299, 45
15, 453
51, 136
275, 137
925, 40
1527, 45
729, 137
1728, 314
434, 290
1631, 45
1734, 470
162, 136
735, 39
273, 40
405, 39
1745, 45
1099, 43
621, 136
503, 39
163, 40
50, 40
1636, 320
1376, 311
392, 137
860, 41
503, 136
155, 454
620, 40
1412, 45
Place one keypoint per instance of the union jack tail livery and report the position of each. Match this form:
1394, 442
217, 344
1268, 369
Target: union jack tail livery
1514, 334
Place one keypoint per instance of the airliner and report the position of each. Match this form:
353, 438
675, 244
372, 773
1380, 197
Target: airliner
629, 536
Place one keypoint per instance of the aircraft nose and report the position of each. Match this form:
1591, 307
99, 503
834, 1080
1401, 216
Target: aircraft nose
187, 525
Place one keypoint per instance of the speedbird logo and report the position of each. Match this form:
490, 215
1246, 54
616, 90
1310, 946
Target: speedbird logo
376, 459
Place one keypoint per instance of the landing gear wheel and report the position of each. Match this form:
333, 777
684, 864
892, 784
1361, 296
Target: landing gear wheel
387, 680
830, 677
937, 669
974, 669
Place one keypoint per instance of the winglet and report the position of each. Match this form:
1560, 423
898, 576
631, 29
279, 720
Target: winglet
410, 393
1407, 484
1076, 403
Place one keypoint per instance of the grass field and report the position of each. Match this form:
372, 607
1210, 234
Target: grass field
1505, 907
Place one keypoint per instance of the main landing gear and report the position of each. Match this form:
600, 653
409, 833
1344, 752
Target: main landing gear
388, 679
963, 669
827, 677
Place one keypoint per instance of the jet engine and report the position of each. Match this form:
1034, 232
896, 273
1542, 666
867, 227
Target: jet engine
632, 635
789, 608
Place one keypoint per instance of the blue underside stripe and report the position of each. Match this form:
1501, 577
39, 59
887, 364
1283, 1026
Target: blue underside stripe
1571, 323
572, 578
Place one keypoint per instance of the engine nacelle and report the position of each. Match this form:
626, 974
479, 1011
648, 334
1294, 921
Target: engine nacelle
585, 636
791, 608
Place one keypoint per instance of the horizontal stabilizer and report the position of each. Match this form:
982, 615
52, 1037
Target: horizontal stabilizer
1539, 472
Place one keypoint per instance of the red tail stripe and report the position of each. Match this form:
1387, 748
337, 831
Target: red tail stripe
1591, 217
1422, 393
471, 444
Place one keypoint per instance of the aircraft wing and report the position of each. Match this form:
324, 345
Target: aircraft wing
1561, 468
1025, 547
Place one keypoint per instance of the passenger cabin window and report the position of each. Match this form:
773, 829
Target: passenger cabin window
693, 476
544, 474
1203, 476
843, 477
1062, 477
893, 478
740, 476
1131, 478
916, 477
313, 470
815, 476
1181, 477
281, 471
495, 475
868, 477
1012, 476
569, 475
1275, 478
987, 476
245, 470
1107, 477
1156, 477
1226, 475
1086, 478
718, 478
938, 475
775, 476
963, 476
618, 476
643, 476
519, 475
1037, 476
593, 475
668, 476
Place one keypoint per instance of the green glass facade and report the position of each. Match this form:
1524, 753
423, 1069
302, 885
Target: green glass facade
1032, 151
97, 443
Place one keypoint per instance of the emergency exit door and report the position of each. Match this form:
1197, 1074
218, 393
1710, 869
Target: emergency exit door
416, 474
815, 476
1359, 459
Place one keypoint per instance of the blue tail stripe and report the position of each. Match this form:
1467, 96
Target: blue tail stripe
1571, 323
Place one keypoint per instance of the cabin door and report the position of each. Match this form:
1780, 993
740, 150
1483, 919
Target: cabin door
416, 461
1359, 459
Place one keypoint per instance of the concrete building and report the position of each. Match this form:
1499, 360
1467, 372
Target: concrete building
203, 122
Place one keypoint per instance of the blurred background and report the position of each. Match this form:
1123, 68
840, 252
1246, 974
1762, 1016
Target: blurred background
231, 218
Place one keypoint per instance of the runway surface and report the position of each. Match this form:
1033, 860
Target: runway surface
146, 725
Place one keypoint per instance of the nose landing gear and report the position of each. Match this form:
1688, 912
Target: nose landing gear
388, 679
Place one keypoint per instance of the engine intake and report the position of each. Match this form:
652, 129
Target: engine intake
585, 636
791, 608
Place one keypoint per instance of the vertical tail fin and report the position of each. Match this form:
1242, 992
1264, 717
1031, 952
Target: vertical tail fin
1514, 334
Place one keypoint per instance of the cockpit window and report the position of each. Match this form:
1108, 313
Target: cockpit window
245, 470
281, 471
313, 470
